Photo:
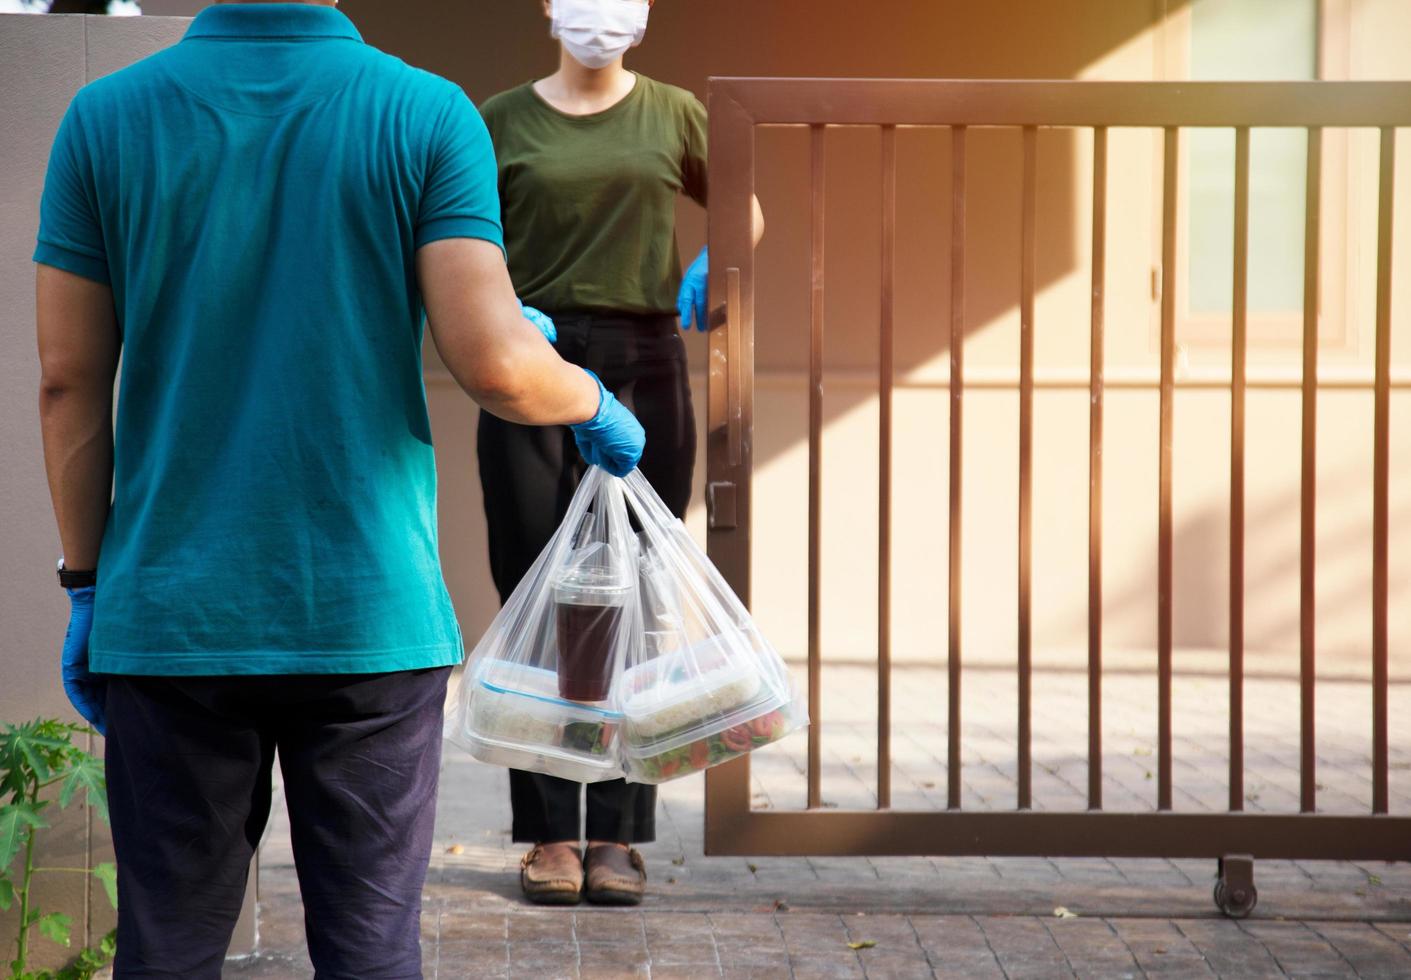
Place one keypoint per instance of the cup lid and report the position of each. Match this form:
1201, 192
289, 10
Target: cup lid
592, 581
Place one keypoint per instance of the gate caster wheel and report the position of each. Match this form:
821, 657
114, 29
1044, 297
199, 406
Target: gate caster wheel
1235, 894
1236, 905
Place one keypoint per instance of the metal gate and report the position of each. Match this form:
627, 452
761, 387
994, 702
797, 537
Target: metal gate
737, 107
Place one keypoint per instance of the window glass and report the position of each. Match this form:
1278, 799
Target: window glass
1239, 40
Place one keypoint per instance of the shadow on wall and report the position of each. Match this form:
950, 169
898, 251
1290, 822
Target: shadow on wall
491, 47
1343, 598
853, 237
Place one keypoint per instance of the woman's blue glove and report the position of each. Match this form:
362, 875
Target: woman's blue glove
691, 300
541, 320
87, 693
612, 439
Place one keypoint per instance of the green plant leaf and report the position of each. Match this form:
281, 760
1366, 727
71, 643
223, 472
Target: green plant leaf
57, 926
7, 894
109, 944
15, 819
87, 775
11, 769
86, 965
107, 873
36, 747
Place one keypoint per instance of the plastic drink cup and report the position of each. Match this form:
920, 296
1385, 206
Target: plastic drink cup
588, 606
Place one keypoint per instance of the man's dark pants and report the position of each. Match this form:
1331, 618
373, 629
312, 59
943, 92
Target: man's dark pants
189, 762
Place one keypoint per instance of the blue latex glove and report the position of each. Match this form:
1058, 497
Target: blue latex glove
612, 439
541, 320
87, 693
691, 300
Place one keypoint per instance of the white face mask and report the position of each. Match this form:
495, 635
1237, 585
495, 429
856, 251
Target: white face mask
598, 32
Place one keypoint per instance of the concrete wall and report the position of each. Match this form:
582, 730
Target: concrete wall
43, 62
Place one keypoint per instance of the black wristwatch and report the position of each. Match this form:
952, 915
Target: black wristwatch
76, 579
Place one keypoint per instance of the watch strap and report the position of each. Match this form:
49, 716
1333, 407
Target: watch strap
77, 578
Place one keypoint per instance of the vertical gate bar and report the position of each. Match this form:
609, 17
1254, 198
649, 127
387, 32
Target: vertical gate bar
815, 474
1095, 406
734, 386
884, 464
1381, 469
730, 405
1308, 790
1168, 357
1238, 347
1095, 403
1026, 460
957, 397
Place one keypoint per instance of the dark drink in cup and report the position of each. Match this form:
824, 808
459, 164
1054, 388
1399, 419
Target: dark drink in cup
587, 637
588, 605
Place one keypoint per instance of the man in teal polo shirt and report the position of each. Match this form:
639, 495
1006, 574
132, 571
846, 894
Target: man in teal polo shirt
257, 219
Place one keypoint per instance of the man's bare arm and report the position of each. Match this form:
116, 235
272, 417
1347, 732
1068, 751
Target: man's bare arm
497, 356
78, 355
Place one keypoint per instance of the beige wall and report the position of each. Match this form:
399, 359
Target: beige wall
489, 47
43, 62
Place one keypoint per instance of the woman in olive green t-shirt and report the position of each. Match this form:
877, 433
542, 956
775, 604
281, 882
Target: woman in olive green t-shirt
591, 160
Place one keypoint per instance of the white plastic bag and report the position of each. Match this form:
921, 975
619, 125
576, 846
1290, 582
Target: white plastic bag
705, 686
622, 653
523, 703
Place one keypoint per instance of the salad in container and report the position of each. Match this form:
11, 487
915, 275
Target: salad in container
686, 711
516, 718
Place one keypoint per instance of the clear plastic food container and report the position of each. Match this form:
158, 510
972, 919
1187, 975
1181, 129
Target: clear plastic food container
516, 718
697, 707
691, 752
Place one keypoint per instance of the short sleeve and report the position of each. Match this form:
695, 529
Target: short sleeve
70, 234
460, 197
693, 161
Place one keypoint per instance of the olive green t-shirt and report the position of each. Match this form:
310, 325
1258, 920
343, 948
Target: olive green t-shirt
589, 202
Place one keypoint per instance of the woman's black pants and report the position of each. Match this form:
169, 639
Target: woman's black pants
529, 474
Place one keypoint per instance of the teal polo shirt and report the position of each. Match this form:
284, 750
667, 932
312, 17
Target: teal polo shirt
255, 196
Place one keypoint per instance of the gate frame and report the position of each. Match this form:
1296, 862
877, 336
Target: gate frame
737, 106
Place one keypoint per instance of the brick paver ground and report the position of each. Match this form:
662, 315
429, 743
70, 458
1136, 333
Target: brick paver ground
947, 917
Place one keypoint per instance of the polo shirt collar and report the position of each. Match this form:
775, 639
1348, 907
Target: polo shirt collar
272, 21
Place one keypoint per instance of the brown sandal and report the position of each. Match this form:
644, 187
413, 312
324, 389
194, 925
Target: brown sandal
615, 875
552, 876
